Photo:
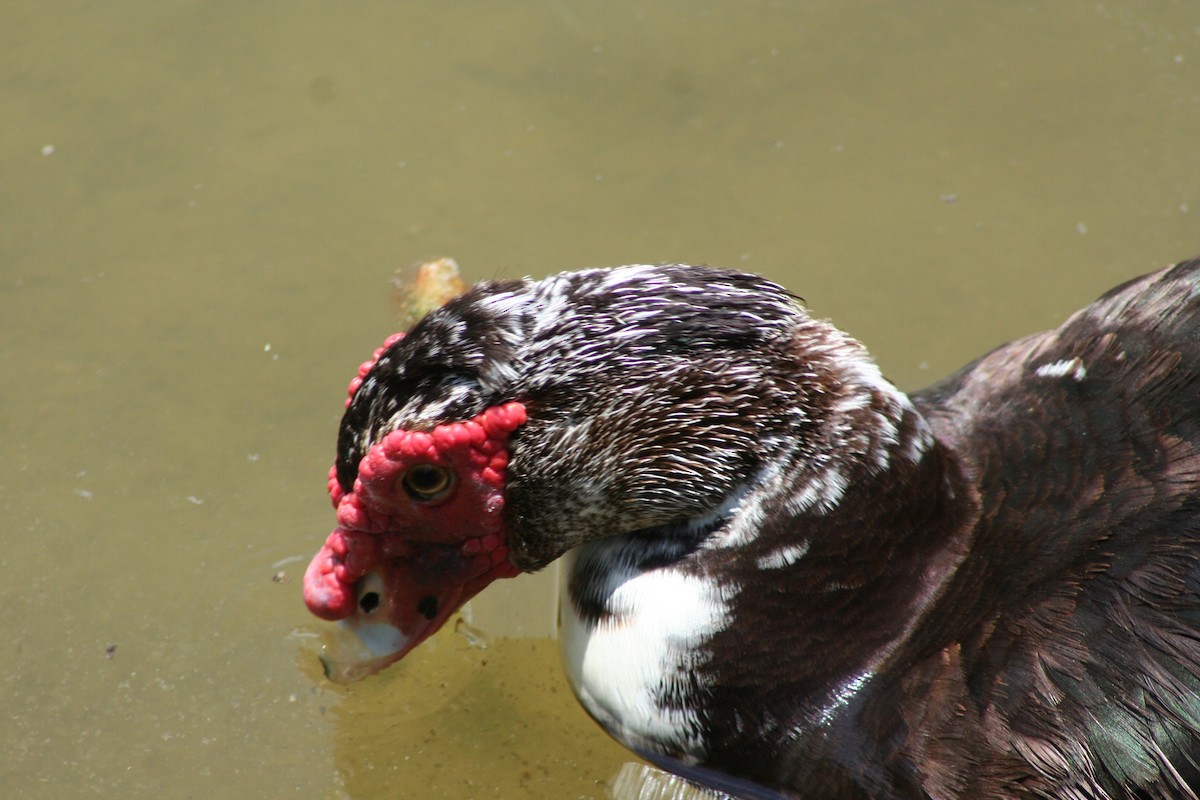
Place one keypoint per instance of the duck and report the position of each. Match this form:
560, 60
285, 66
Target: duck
783, 577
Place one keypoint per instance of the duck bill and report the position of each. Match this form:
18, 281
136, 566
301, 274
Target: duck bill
354, 650
397, 608
388, 593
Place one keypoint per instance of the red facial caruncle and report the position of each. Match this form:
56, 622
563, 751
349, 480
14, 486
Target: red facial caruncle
420, 532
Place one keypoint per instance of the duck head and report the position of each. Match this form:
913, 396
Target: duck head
525, 418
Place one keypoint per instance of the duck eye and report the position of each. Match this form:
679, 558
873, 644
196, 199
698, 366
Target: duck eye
427, 481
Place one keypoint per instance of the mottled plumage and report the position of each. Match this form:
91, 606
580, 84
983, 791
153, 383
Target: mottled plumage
788, 579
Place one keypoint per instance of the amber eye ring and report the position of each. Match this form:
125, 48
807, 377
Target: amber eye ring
427, 482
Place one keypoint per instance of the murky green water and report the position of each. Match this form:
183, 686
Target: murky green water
201, 205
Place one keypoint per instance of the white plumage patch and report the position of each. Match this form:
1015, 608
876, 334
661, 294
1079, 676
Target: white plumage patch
820, 494
621, 666
784, 556
915, 447
1072, 367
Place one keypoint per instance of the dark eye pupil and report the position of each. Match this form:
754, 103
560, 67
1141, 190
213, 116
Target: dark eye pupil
425, 478
424, 481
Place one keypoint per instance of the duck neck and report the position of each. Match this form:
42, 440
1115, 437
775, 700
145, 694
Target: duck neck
845, 561
724, 640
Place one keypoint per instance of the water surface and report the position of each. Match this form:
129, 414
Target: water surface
201, 205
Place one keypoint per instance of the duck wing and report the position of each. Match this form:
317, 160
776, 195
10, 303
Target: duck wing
1069, 639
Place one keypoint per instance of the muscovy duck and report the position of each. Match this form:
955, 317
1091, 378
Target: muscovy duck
785, 577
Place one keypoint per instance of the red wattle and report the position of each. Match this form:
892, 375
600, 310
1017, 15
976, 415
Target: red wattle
457, 543
325, 593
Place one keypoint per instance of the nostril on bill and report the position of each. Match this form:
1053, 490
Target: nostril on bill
427, 607
369, 602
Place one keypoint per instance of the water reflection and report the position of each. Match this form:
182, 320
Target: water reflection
457, 720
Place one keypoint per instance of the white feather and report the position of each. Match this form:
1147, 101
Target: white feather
619, 666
